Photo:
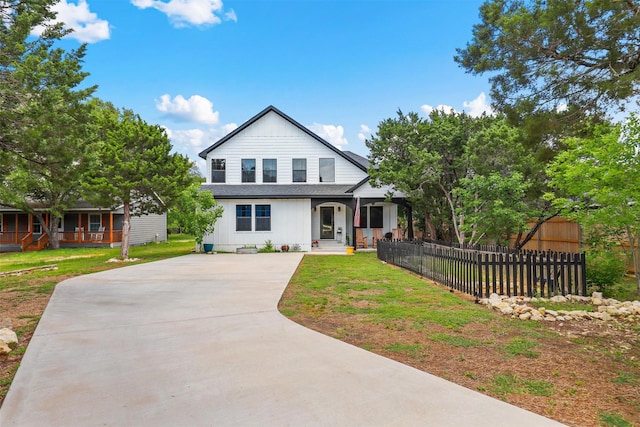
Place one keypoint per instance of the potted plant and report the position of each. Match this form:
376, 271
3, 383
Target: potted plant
285, 248
349, 247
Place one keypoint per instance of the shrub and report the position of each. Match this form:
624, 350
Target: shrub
605, 268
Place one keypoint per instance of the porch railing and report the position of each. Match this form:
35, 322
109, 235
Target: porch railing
26, 241
82, 236
12, 237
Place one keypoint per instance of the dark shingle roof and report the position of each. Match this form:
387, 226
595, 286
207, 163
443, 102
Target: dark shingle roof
274, 191
358, 158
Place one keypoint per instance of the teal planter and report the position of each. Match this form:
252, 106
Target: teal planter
208, 247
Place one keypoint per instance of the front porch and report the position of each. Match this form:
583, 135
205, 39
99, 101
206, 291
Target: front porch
333, 220
23, 232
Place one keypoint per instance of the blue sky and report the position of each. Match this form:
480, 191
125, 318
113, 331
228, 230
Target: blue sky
200, 68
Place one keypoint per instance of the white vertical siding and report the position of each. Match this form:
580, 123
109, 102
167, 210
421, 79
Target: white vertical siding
290, 224
272, 137
148, 228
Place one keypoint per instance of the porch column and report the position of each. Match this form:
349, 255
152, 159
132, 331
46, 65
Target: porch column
79, 228
110, 227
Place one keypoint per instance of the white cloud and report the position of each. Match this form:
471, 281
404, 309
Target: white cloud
190, 142
330, 133
189, 12
562, 107
86, 26
427, 109
478, 106
364, 133
195, 109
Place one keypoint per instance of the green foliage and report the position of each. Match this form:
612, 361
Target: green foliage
455, 340
593, 184
196, 212
268, 247
605, 269
508, 383
134, 167
45, 142
613, 419
544, 55
471, 173
521, 347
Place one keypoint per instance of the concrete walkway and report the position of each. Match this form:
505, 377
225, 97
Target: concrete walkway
198, 341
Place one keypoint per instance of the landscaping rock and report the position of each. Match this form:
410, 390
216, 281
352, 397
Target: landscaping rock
9, 337
607, 309
4, 348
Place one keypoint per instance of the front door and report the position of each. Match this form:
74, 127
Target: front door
326, 223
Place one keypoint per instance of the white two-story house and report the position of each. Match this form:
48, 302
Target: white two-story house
280, 182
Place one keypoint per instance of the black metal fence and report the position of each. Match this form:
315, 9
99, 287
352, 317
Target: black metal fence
479, 272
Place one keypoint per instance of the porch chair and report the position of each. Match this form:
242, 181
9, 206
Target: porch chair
377, 235
361, 240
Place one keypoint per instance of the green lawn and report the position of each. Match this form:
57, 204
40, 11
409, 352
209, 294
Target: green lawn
76, 261
392, 312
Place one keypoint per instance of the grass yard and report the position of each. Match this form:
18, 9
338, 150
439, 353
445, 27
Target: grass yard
579, 373
23, 298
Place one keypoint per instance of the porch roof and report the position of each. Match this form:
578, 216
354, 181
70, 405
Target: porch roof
280, 191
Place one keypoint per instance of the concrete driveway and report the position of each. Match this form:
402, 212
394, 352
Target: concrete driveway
198, 341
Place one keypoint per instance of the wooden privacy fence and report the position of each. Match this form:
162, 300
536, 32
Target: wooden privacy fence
480, 273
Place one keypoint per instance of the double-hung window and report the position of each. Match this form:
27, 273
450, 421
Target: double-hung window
218, 168
95, 222
243, 217
263, 217
248, 170
327, 170
269, 170
299, 170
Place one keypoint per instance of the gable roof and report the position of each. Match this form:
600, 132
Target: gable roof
271, 108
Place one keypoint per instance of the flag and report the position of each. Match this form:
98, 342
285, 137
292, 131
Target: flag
356, 217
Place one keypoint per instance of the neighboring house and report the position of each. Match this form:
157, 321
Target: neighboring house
280, 182
82, 226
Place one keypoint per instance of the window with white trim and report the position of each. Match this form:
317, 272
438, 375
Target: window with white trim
299, 167
243, 217
248, 170
327, 170
263, 217
95, 222
269, 170
218, 170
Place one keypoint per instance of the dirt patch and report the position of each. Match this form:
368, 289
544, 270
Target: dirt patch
576, 372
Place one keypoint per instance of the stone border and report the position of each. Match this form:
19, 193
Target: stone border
29, 270
607, 308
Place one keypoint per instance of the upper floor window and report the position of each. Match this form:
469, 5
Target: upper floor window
327, 170
248, 170
263, 217
218, 168
299, 170
269, 170
243, 217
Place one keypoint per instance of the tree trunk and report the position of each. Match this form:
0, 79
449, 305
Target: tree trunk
126, 227
635, 255
54, 241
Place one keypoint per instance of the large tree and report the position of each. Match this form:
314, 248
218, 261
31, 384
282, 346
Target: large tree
196, 212
445, 162
596, 184
44, 121
551, 54
134, 167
